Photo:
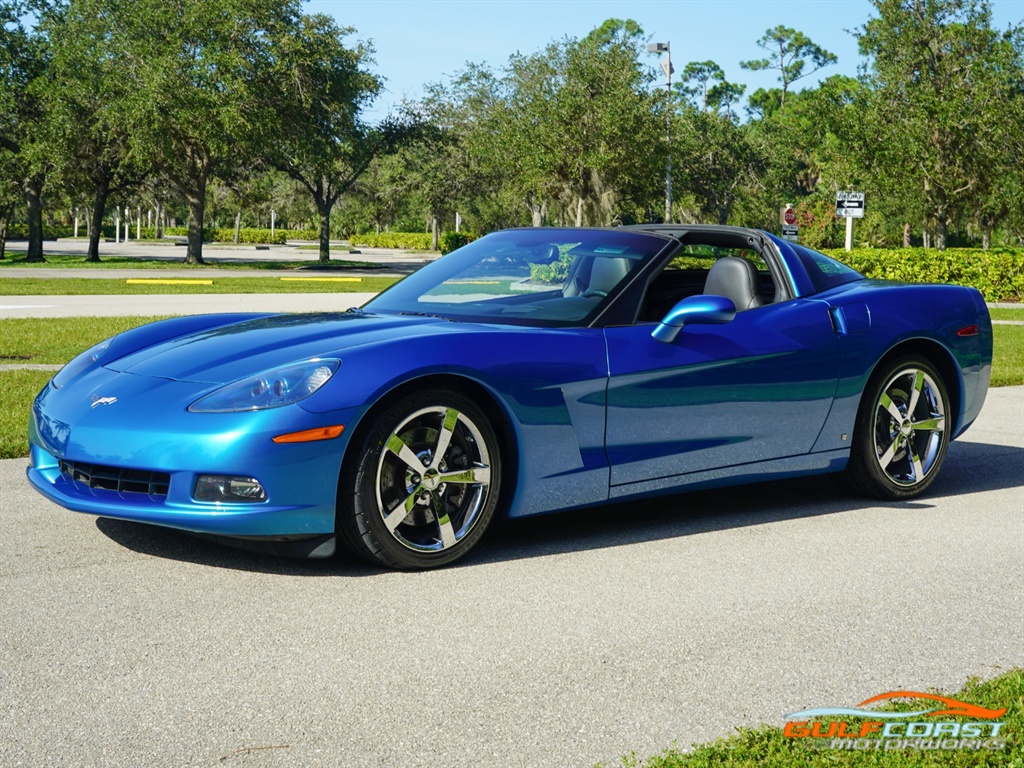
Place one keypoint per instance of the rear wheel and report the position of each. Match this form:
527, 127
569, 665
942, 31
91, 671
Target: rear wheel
901, 436
424, 483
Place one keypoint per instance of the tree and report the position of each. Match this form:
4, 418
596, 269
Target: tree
590, 128
945, 86
195, 77
10, 194
318, 89
698, 80
83, 91
24, 58
789, 52
715, 163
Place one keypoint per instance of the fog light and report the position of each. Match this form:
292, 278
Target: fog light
225, 488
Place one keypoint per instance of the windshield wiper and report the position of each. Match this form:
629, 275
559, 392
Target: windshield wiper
426, 314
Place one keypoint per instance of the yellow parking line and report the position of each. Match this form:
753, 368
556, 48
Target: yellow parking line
155, 281
325, 279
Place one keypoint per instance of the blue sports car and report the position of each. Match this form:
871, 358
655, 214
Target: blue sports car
533, 370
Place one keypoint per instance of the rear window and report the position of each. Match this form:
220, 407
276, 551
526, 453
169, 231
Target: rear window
825, 272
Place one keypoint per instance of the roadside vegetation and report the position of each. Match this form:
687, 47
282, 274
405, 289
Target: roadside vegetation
767, 747
997, 273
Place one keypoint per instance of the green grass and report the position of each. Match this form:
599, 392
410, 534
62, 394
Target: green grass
99, 286
1016, 313
1007, 355
20, 389
55, 340
77, 261
766, 746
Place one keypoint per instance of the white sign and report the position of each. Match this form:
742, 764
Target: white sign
667, 68
791, 233
850, 205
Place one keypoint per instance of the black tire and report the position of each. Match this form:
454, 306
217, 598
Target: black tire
900, 438
448, 499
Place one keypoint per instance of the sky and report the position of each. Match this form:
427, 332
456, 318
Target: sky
426, 41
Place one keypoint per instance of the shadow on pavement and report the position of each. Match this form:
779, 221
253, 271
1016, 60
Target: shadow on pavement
969, 468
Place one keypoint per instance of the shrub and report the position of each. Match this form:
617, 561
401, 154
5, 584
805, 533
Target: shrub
247, 235
554, 273
20, 232
416, 240
452, 240
998, 273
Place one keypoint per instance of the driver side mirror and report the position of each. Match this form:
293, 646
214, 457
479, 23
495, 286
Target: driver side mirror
705, 310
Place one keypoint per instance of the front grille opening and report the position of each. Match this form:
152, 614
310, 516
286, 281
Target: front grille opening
120, 479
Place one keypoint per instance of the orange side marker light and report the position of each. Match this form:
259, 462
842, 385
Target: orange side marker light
311, 435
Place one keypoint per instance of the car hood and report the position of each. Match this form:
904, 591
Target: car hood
231, 352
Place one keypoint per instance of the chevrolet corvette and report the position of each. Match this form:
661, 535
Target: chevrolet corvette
531, 371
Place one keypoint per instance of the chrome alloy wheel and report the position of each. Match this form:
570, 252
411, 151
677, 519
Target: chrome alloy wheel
909, 423
433, 479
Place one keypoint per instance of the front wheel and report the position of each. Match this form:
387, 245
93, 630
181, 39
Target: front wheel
424, 483
901, 436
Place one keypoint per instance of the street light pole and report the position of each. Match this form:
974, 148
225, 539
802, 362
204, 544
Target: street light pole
666, 67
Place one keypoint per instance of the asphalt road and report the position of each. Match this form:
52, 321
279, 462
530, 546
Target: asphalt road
560, 642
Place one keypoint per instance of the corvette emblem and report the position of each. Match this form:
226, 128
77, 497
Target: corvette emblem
97, 400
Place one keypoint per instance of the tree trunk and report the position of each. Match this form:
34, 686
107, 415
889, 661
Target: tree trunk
324, 209
940, 231
196, 212
987, 223
99, 208
33, 187
906, 235
579, 212
433, 232
238, 224
158, 230
5, 217
538, 213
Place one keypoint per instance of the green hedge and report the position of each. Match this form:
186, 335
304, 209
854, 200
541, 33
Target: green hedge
415, 240
20, 232
248, 235
998, 273
450, 241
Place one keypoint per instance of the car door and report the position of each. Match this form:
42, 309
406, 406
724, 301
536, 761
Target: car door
755, 388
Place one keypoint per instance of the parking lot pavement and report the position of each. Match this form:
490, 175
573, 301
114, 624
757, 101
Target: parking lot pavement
561, 641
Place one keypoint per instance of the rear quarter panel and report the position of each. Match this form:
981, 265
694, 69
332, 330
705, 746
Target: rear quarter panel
885, 319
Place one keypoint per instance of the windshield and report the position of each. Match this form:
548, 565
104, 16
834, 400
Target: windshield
551, 277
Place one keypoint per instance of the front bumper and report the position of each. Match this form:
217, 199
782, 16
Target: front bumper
149, 429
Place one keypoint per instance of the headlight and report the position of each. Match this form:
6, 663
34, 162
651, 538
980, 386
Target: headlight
80, 363
270, 389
